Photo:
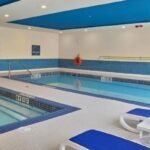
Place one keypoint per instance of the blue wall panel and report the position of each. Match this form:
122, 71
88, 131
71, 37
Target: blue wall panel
28, 63
123, 12
110, 66
6, 2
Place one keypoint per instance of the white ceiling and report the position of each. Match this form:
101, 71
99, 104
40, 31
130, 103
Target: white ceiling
30, 8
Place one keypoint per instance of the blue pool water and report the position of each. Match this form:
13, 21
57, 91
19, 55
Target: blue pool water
129, 92
13, 111
19, 109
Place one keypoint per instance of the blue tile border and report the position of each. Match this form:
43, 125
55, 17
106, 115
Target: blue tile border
17, 77
64, 109
87, 93
93, 65
109, 66
19, 64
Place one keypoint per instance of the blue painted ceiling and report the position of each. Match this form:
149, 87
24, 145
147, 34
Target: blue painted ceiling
6, 2
125, 12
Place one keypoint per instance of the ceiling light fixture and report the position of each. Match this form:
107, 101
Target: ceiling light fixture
123, 27
61, 32
43, 6
29, 28
85, 30
6, 15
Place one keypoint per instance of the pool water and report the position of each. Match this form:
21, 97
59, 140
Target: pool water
18, 109
12, 111
130, 92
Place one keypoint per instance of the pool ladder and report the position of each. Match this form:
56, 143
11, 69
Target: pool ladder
9, 71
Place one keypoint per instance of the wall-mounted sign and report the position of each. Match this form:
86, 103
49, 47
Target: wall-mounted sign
36, 50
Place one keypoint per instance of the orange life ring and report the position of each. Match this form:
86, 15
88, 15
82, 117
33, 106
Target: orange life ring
78, 61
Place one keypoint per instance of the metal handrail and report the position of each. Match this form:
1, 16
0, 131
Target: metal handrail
123, 58
9, 71
27, 69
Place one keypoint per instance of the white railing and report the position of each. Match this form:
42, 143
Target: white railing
124, 58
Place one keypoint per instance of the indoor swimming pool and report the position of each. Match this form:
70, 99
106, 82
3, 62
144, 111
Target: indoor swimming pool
18, 109
13, 111
132, 91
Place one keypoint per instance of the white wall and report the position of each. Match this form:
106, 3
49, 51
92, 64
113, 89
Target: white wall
106, 41
16, 43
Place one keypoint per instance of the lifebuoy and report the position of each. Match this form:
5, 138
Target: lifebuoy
78, 61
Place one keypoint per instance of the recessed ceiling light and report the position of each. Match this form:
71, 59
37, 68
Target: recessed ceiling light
29, 28
43, 6
6, 15
61, 32
123, 27
85, 30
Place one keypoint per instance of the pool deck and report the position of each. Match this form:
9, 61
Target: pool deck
95, 113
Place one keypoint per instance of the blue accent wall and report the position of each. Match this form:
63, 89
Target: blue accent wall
17, 64
124, 12
109, 66
6, 2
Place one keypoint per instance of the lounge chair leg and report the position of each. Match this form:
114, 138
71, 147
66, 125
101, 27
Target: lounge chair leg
144, 134
71, 145
126, 126
141, 134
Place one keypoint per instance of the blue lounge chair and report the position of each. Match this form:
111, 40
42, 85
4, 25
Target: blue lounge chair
97, 140
131, 119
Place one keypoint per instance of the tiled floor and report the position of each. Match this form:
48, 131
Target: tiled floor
95, 113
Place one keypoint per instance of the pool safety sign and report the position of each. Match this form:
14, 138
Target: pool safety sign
36, 50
